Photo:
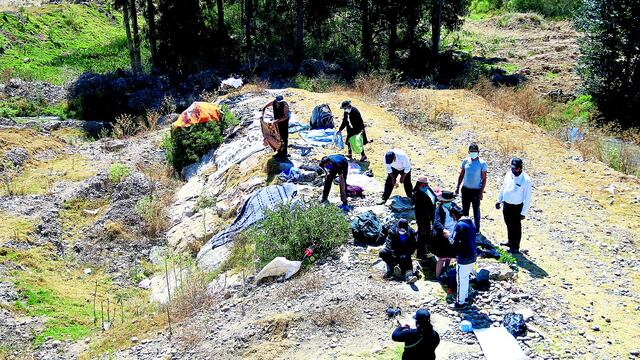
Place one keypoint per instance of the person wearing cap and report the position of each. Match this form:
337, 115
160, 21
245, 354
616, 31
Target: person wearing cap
397, 163
473, 178
425, 207
443, 225
515, 198
335, 166
398, 248
354, 124
281, 119
463, 240
419, 343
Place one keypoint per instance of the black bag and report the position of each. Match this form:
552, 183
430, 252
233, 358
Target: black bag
515, 324
366, 228
321, 117
481, 281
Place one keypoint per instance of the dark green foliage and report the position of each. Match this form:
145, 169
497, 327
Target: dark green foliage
186, 146
548, 8
288, 232
610, 61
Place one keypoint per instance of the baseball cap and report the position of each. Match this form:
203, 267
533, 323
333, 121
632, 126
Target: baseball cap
389, 157
422, 316
279, 98
516, 163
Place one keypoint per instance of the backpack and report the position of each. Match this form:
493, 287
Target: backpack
515, 324
321, 117
366, 228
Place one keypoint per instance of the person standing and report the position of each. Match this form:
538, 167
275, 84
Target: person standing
515, 196
473, 178
335, 166
281, 120
397, 163
464, 243
443, 225
419, 343
398, 248
353, 122
425, 207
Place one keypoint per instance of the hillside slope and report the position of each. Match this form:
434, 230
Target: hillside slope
577, 274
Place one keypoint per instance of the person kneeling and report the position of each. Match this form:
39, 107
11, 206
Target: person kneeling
398, 248
421, 342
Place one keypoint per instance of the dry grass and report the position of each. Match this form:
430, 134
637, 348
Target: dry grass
14, 228
337, 316
422, 113
153, 211
126, 125
28, 139
524, 102
376, 86
310, 283
191, 297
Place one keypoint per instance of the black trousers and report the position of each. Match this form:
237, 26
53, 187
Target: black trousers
388, 184
511, 215
471, 197
328, 181
283, 129
392, 260
424, 239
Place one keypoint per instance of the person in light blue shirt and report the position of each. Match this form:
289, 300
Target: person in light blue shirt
473, 178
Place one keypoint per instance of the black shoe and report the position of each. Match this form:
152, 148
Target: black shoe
504, 244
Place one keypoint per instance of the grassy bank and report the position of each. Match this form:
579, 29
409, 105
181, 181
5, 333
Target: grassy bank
56, 43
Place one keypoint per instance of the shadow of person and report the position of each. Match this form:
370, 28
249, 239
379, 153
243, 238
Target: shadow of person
533, 269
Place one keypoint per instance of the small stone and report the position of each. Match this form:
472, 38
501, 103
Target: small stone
87, 271
595, 328
134, 340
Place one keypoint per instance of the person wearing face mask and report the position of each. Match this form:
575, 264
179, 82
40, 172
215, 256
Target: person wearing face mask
463, 240
425, 206
515, 197
398, 248
473, 178
354, 124
335, 166
397, 163
443, 225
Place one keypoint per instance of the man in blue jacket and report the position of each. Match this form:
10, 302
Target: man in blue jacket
464, 242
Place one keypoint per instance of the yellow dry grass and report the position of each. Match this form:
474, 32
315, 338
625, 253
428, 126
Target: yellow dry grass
15, 228
28, 139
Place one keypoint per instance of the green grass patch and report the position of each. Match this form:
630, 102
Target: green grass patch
118, 172
56, 43
506, 257
22, 107
550, 76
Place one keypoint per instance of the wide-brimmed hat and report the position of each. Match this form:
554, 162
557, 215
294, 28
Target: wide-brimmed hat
446, 196
345, 104
279, 98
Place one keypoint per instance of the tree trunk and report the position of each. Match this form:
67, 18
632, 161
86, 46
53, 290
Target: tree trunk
413, 10
366, 32
248, 30
152, 35
220, 11
127, 27
299, 53
136, 37
393, 37
435, 31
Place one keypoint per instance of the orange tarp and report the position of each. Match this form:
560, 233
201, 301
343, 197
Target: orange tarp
197, 113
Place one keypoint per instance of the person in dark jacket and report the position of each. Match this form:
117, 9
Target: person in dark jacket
419, 343
464, 242
354, 124
398, 248
335, 166
425, 207
443, 226
281, 118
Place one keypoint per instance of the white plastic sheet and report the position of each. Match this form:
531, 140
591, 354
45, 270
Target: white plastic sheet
278, 267
498, 344
233, 82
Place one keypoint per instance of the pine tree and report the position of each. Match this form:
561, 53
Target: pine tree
610, 60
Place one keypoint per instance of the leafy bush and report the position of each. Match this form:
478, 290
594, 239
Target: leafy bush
185, 146
289, 231
152, 211
549, 8
117, 172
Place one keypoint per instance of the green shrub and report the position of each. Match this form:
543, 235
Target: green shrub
117, 172
322, 83
506, 257
185, 146
288, 232
548, 8
479, 8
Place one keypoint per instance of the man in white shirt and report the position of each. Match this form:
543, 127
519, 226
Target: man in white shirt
397, 163
515, 195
